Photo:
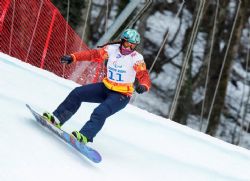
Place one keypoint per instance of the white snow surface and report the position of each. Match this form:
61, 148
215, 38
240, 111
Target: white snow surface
134, 144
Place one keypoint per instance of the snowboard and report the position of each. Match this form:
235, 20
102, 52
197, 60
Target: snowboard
85, 150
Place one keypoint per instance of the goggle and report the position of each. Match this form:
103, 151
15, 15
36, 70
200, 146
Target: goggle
127, 44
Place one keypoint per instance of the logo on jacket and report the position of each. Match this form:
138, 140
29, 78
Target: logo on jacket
115, 63
118, 56
133, 54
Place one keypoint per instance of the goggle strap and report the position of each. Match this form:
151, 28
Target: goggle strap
110, 43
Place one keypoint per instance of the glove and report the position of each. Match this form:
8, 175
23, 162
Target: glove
66, 59
141, 89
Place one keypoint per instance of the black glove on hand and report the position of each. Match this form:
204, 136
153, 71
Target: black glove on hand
141, 89
66, 59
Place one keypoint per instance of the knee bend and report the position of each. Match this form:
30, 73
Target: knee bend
102, 112
75, 92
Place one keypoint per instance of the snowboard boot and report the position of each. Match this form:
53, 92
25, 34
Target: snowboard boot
52, 119
80, 137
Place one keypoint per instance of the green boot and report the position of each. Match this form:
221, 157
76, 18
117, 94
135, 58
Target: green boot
52, 119
80, 137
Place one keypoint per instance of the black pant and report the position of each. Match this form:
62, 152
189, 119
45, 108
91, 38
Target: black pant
111, 102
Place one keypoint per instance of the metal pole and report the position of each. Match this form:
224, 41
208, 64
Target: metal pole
118, 22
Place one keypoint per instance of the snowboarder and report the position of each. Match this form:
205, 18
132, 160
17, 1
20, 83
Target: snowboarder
126, 72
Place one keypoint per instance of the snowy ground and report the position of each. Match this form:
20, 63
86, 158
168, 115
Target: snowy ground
134, 144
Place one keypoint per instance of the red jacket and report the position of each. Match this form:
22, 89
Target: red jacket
107, 53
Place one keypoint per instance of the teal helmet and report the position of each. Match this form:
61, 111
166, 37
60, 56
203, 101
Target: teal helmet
131, 35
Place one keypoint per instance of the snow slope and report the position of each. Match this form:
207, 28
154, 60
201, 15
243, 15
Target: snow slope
134, 144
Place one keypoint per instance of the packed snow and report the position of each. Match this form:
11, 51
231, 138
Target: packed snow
134, 144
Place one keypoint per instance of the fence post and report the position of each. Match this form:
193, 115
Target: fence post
48, 39
5, 9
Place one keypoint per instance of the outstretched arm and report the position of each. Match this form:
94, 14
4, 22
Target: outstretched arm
94, 55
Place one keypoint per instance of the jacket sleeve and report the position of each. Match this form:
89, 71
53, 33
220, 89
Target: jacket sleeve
142, 74
93, 55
